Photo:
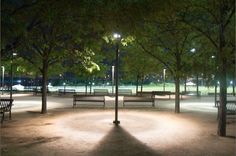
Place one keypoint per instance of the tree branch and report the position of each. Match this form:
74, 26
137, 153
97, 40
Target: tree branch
203, 33
23, 7
183, 43
230, 16
156, 57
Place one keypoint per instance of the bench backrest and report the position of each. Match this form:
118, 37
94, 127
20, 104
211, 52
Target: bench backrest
100, 92
146, 94
125, 91
230, 106
6, 104
161, 92
89, 98
135, 98
66, 90
190, 92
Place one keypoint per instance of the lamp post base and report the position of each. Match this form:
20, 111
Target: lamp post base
116, 122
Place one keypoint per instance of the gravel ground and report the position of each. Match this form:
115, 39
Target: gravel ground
89, 131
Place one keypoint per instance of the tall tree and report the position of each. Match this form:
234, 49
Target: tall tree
54, 33
215, 20
169, 41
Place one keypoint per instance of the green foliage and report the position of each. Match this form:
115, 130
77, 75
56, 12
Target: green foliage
205, 18
137, 63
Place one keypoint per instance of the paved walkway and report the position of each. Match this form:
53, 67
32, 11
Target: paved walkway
24, 102
90, 132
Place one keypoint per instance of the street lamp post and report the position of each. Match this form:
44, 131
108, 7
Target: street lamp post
3, 70
64, 84
112, 79
164, 79
116, 36
215, 76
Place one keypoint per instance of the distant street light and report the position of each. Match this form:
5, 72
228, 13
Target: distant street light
193, 50
3, 71
12, 57
117, 37
164, 79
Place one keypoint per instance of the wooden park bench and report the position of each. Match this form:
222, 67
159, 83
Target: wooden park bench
153, 93
135, 98
88, 98
102, 92
66, 91
230, 107
5, 106
162, 93
190, 93
37, 91
145, 94
125, 92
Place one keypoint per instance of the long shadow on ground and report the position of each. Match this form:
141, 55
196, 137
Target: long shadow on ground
118, 142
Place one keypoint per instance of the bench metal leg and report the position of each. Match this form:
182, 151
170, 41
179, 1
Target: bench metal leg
2, 117
74, 103
10, 114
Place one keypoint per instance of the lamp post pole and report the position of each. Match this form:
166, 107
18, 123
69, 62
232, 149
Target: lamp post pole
11, 71
112, 77
64, 84
116, 121
12, 57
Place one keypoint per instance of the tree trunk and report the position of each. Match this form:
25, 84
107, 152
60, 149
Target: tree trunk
44, 86
185, 85
177, 99
222, 70
233, 85
137, 84
35, 81
142, 78
86, 86
215, 89
223, 99
197, 84
90, 86
177, 82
